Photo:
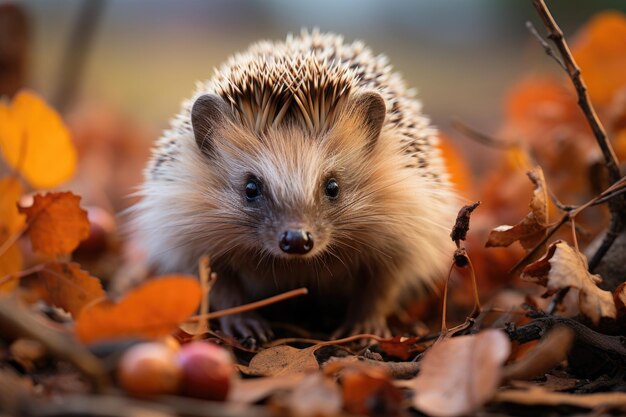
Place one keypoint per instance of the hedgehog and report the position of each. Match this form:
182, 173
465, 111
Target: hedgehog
302, 163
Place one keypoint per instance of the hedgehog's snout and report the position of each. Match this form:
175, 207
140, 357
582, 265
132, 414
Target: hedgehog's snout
296, 241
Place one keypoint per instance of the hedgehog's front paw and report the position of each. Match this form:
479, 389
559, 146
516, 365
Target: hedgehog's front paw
248, 327
371, 325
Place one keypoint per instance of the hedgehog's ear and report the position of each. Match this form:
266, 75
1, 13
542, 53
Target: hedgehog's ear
372, 106
207, 114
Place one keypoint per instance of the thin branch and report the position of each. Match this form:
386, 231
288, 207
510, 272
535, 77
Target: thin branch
556, 35
540, 244
617, 206
250, 306
481, 137
546, 47
570, 213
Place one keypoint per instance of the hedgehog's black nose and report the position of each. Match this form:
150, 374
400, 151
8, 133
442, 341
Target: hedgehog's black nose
296, 241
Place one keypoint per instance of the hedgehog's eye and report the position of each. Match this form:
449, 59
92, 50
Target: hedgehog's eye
253, 189
332, 188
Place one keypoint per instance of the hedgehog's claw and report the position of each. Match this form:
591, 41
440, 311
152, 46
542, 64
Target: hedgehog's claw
373, 325
247, 327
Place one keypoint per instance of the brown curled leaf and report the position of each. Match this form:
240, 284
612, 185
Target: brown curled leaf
562, 266
533, 227
461, 226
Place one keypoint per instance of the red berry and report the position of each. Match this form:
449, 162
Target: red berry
207, 370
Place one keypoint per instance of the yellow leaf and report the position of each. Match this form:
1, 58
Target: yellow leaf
11, 221
11, 262
152, 310
34, 139
10, 218
56, 223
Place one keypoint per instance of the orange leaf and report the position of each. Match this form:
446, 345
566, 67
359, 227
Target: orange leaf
65, 285
34, 139
11, 221
56, 223
369, 391
456, 166
600, 51
400, 347
152, 310
11, 262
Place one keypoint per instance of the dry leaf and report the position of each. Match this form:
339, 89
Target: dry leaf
370, 391
66, 286
532, 228
11, 221
34, 139
152, 310
541, 358
562, 266
541, 396
460, 374
252, 390
56, 223
400, 347
315, 395
282, 360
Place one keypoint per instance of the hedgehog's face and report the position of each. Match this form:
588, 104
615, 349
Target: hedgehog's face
293, 188
287, 187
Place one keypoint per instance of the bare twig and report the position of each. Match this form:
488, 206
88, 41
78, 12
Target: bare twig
617, 206
611, 346
555, 34
546, 46
250, 306
481, 137
557, 300
529, 255
546, 355
570, 213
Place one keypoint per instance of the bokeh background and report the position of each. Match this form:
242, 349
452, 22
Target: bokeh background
118, 69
